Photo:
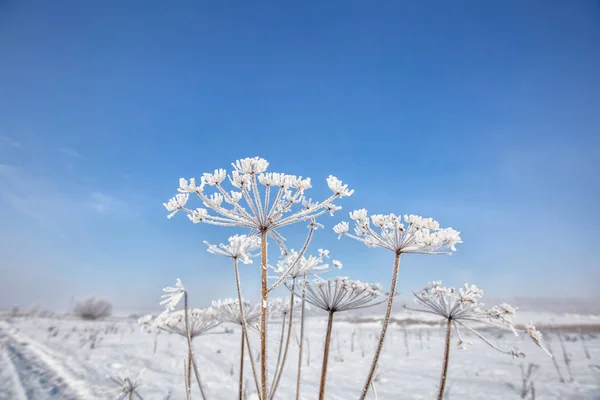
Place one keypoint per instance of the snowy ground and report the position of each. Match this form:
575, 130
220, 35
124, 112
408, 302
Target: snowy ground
68, 359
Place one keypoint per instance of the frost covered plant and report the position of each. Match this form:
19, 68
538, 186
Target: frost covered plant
461, 308
336, 295
416, 235
262, 211
240, 248
127, 387
171, 297
200, 322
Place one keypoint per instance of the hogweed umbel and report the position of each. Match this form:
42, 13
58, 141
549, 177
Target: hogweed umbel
462, 308
419, 236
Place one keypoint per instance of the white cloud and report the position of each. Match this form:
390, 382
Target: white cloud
5, 140
54, 205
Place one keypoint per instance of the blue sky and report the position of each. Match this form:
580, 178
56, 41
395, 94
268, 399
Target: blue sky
483, 115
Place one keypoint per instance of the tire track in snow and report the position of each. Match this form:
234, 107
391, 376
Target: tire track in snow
10, 384
41, 375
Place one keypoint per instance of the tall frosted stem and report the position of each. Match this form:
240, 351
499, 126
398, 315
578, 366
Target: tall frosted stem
264, 314
386, 321
326, 356
446, 358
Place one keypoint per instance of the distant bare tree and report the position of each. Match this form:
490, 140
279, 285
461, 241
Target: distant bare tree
93, 309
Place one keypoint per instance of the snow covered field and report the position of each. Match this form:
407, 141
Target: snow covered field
43, 358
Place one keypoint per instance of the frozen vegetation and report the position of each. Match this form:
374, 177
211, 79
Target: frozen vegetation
317, 342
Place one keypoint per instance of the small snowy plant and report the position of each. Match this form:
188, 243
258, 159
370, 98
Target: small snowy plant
336, 295
461, 308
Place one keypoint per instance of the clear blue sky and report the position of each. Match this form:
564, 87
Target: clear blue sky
483, 115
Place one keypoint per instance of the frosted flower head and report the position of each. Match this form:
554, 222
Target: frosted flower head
283, 306
239, 247
536, 336
127, 386
201, 321
415, 235
462, 308
249, 206
295, 265
176, 203
339, 294
172, 295
229, 311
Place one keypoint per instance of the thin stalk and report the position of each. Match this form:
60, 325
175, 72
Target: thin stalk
326, 356
279, 353
188, 395
446, 357
386, 320
188, 372
242, 365
190, 347
244, 325
279, 372
263, 314
301, 343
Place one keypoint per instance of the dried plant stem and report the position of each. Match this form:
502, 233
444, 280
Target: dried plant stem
188, 389
446, 357
244, 325
279, 371
326, 356
566, 357
560, 375
190, 347
264, 314
386, 320
300, 344
241, 385
279, 354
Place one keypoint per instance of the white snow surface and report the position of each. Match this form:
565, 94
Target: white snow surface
48, 358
